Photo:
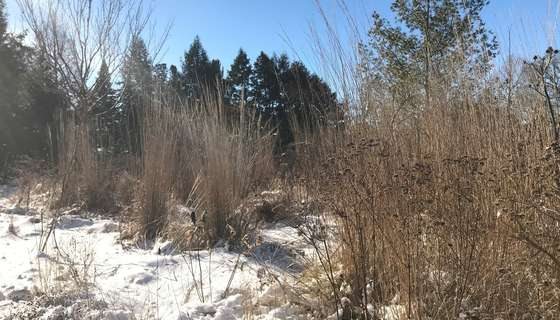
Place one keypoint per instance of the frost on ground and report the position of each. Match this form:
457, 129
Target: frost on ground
85, 272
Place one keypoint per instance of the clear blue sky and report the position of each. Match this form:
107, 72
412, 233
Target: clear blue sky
284, 26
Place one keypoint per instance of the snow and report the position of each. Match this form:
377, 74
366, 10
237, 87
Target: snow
72, 221
156, 282
148, 282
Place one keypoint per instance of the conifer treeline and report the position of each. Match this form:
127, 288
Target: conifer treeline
33, 102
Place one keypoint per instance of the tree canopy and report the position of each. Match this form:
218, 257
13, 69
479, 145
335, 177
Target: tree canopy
428, 40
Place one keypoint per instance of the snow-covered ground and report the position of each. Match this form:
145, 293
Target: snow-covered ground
85, 272
84, 260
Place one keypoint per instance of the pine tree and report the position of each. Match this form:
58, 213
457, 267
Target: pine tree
283, 109
105, 95
265, 88
105, 109
214, 75
13, 125
137, 68
195, 67
136, 91
282, 66
160, 73
45, 100
238, 79
428, 40
309, 98
161, 87
175, 83
3, 20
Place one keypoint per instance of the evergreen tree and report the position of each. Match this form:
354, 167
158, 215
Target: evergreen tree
104, 110
161, 87
429, 40
13, 56
3, 20
160, 73
309, 98
238, 79
282, 109
283, 91
174, 82
214, 75
265, 88
105, 95
282, 66
195, 68
45, 100
136, 91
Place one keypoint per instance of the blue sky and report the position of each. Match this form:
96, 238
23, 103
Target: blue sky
283, 26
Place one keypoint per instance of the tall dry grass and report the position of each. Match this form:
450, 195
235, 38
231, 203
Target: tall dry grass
202, 156
443, 211
208, 157
84, 172
450, 212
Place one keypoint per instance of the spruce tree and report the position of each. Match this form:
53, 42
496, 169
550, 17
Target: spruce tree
214, 75
238, 79
136, 90
160, 73
13, 125
195, 68
175, 83
104, 110
3, 20
309, 98
161, 87
103, 89
45, 100
265, 88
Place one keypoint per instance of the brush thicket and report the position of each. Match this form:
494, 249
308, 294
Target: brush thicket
207, 155
452, 208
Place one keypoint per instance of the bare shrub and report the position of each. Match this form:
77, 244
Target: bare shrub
68, 272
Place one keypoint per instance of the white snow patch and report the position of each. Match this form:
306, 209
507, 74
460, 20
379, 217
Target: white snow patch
158, 282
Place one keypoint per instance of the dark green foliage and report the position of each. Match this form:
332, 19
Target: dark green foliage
306, 99
3, 22
27, 98
175, 80
160, 74
283, 91
10, 68
46, 101
238, 79
215, 74
105, 95
105, 112
309, 98
162, 87
11, 103
136, 92
195, 64
265, 85
199, 73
